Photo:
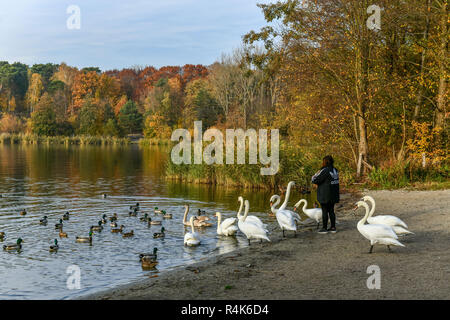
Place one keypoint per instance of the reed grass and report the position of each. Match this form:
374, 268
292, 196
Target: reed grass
30, 139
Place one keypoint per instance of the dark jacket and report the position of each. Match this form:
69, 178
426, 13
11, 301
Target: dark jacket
327, 180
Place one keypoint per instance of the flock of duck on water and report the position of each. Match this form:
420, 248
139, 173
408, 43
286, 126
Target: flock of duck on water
381, 229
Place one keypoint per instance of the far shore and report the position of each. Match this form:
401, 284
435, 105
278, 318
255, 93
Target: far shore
315, 266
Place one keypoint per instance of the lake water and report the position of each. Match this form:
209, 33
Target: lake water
52, 180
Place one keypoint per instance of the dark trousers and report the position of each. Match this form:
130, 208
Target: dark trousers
328, 210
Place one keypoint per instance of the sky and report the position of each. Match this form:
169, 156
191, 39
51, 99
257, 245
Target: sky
117, 34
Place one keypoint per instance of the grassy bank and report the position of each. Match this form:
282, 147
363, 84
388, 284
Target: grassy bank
29, 139
146, 142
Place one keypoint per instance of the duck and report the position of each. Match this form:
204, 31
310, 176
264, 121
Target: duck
113, 224
104, 219
156, 210
13, 246
66, 216
98, 228
62, 234
227, 227
59, 225
128, 234
313, 213
250, 229
252, 219
197, 223
192, 239
199, 215
23, 212
113, 218
118, 230
153, 222
2, 235
55, 247
144, 218
160, 234
148, 255
135, 208
400, 227
84, 239
148, 263
167, 215
376, 233
104, 196
43, 221
132, 213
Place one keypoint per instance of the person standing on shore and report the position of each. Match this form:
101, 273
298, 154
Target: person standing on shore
327, 181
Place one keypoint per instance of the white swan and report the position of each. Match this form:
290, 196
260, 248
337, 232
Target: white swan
286, 221
197, 223
227, 227
314, 213
376, 233
191, 238
274, 204
253, 219
286, 200
250, 229
400, 228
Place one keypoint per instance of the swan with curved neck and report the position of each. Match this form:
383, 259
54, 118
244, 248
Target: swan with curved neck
197, 222
314, 213
273, 206
250, 229
288, 193
252, 219
400, 228
376, 233
227, 227
191, 238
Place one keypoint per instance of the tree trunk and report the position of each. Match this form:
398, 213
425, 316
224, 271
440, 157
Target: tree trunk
443, 55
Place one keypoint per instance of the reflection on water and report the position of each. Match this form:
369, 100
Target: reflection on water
52, 180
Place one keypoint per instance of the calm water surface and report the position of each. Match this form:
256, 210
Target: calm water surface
52, 180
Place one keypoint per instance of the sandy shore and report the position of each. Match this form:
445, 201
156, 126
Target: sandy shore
315, 266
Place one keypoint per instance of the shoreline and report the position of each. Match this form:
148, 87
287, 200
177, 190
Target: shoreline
314, 266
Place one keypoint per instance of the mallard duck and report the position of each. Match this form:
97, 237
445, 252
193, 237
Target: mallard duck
59, 225
62, 234
13, 246
159, 234
136, 207
167, 215
148, 255
144, 218
55, 247
113, 225
23, 212
148, 263
98, 228
132, 213
154, 222
200, 217
113, 218
66, 216
85, 239
118, 230
2, 235
128, 234
43, 221
158, 210
104, 220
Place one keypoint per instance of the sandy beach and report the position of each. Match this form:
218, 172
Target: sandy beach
330, 266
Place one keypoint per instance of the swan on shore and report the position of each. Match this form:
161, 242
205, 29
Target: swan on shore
314, 213
250, 229
400, 228
376, 233
227, 227
192, 238
252, 219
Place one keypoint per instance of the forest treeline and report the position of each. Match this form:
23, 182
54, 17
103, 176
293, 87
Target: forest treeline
375, 99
